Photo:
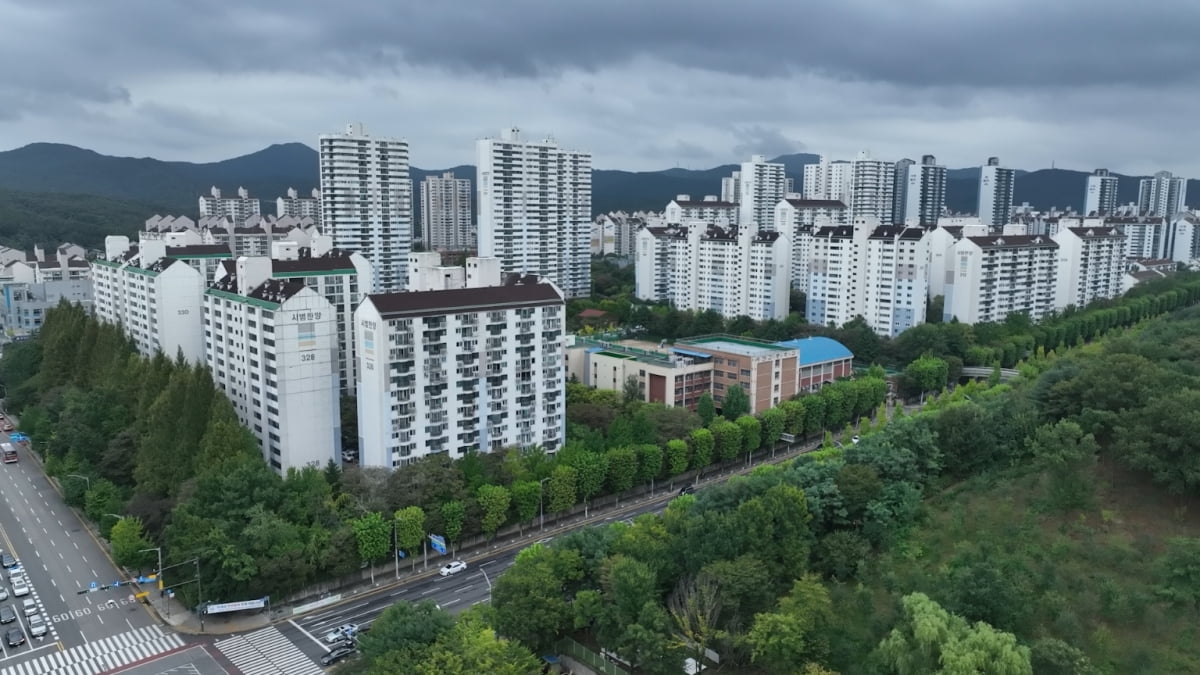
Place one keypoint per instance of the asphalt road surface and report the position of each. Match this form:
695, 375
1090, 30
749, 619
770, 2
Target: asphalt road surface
59, 558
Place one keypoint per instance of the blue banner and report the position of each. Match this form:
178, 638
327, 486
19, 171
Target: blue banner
438, 542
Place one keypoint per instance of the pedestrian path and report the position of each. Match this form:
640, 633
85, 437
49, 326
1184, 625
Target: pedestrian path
267, 652
100, 656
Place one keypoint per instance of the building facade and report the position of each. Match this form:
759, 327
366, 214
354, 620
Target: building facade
798, 218
238, 208
535, 209
765, 371
683, 210
1100, 199
366, 200
295, 206
996, 185
25, 304
821, 360
1163, 195
734, 271
272, 347
926, 193
1091, 265
878, 272
995, 276
676, 378
731, 187
446, 223
762, 185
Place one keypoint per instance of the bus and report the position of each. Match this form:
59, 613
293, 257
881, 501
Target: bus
10, 453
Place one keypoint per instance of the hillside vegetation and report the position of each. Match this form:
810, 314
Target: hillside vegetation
49, 219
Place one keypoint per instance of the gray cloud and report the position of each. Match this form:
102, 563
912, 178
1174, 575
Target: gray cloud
641, 84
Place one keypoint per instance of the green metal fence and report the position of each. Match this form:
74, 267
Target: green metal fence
569, 647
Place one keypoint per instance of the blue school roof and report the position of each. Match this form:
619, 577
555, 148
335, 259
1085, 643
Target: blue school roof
815, 350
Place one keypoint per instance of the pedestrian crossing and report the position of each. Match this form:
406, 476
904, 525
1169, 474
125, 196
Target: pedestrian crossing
100, 656
267, 652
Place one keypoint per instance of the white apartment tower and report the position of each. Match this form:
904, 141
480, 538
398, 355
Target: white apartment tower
446, 223
996, 185
763, 184
366, 200
535, 209
238, 208
870, 270
459, 370
926, 193
1163, 195
154, 298
1101, 196
866, 186
941, 252
1091, 265
994, 276
733, 271
731, 187
272, 347
683, 209
295, 206
900, 190
797, 218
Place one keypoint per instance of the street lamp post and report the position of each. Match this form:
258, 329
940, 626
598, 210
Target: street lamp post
541, 505
85, 478
485, 578
158, 580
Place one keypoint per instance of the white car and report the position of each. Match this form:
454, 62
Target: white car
30, 606
3, 594
19, 586
37, 626
342, 632
452, 568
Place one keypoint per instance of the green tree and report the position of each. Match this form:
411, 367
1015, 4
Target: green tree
650, 462
706, 408
410, 531
1051, 656
677, 456
751, 432
727, 438
1067, 455
129, 543
622, 469
841, 554
1178, 572
797, 632
526, 497
735, 404
591, 471
773, 422
928, 373
404, 627
454, 514
103, 498
494, 501
859, 485
695, 607
928, 639
702, 445
530, 599
793, 412
372, 532
562, 489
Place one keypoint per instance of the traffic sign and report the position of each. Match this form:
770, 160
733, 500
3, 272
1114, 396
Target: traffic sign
438, 542
93, 585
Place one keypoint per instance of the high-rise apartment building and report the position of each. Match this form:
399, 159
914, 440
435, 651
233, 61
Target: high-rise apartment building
733, 271
866, 186
763, 184
272, 347
1091, 265
156, 299
797, 218
683, 210
238, 208
446, 223
1163, 195
870, 270
613, 233
1101, 196
994, 276
941, 252
366, 200
996, 185
900, 190
535, 209
731, 187
295, 206
427, 273
926, 193
460, 370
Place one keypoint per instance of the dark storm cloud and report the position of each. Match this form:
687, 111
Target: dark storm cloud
758, 140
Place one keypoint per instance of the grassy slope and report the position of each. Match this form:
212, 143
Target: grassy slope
1090, 572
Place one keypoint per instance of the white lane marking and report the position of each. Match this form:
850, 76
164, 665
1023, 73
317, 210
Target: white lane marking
94, 574
76, 544
60, 556
427, 592
450, 602
312, 637
129, 622
69, 569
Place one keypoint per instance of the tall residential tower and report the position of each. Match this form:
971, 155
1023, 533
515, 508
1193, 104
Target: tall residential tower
1101, 196
446, 213
995, 193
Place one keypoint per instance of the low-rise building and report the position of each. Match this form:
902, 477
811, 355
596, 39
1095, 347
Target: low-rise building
25, 304
765, 371
272, 347
1091, 265
427, 273
456, 370
675, 378
821, 360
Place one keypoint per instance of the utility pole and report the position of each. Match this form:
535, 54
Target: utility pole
158, 577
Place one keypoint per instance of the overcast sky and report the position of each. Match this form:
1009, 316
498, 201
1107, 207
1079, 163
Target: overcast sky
642, 84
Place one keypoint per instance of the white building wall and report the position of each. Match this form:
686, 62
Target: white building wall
159, 310
362, 172
1091, 265
993, 277
446, 222
763, 184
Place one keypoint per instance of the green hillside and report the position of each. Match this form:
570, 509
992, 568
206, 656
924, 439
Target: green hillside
48, 219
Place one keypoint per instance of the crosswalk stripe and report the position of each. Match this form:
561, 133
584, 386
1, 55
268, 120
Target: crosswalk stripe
99, 656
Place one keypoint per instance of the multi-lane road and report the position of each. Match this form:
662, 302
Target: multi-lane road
89, 632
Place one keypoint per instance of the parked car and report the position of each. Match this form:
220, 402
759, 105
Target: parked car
342, 632
334, 655
29, 605
344, 642
14, 572
7, 615
37, 626
3, 593
15, 637
687, 489
19, 586
452, 568
7, 426
7, 560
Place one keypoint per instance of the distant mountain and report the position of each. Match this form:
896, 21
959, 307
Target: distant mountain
57, 168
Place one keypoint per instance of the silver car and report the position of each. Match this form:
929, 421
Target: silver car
19, 586
37, 626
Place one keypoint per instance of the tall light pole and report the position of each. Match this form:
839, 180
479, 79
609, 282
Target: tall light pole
485, 578
158, 577
76, 475
541, 505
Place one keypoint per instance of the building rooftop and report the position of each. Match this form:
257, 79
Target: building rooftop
335, 259
693, 203
817, 203
276, 290
816, 349
1014, 241
198, 251
1097, 232
735, 345
432, 303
